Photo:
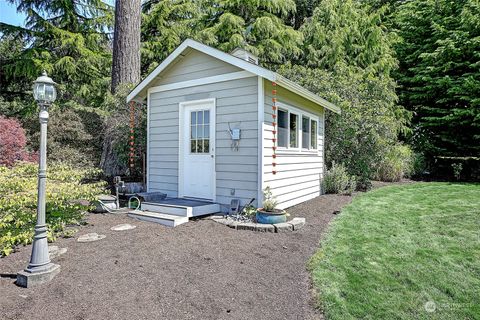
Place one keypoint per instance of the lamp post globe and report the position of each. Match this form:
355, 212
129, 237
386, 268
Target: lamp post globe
44, 90
40, 269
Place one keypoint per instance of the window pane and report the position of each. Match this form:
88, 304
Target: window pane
305, 132
206, 131
193, 146
206, 146
200, 117
282, 128
193, 118
206, 117
200, 131
293, 130
313, 134
193, 132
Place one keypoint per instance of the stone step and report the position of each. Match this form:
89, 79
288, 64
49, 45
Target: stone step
162, 218
181, 207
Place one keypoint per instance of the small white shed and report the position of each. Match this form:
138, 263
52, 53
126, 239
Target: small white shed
220, 127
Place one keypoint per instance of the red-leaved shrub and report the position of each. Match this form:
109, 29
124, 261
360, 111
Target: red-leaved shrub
13, 142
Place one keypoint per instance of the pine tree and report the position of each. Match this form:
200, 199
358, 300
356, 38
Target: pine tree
69, 39
258, 26
165, 24
440, 74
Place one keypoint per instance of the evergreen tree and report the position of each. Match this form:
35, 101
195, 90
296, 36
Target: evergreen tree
165, 24
348, 60
69, 39
440, 74
344, 32
258, 26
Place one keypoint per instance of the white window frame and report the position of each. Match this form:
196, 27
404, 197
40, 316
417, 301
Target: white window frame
299, 113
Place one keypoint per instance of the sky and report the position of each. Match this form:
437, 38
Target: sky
8, 13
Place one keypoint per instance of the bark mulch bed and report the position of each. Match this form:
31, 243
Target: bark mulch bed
199, 270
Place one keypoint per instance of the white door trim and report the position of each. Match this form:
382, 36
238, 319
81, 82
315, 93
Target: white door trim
181, 156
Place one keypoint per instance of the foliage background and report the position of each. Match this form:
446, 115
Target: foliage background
68, 194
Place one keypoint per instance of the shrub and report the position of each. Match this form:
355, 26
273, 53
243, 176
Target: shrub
65, 187
396, 164
457, 170
336, 179
13, 143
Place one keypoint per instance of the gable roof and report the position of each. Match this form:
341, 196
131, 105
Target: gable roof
242, 64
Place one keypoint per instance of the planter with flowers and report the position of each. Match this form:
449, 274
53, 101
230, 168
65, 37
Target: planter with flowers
269, 214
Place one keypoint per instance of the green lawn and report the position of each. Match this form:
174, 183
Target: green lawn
396, 251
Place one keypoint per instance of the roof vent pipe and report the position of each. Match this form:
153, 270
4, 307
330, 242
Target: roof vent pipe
245, 55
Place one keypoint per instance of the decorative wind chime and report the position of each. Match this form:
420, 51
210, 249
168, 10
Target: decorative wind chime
131, 159
274, 124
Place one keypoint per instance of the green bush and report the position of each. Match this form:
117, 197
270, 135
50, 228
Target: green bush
337, 180
396, 164
65, 188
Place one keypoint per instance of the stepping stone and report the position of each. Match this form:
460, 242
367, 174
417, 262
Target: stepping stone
54, 251
123, 227
89, 237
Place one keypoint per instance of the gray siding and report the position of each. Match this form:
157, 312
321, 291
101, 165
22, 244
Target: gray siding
236, 103
194, 65
299, 173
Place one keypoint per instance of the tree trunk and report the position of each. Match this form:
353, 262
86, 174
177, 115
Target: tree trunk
126, 43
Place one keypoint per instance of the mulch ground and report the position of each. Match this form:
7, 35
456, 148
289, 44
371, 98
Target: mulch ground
199, 270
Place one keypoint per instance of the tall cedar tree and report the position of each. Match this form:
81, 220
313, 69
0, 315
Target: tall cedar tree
440, 74
69, 39
126, 43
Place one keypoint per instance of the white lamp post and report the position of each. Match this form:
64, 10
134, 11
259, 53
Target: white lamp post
40, 269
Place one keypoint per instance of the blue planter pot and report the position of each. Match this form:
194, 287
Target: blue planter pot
271, 217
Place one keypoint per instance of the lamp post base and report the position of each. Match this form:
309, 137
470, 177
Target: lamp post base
28, 279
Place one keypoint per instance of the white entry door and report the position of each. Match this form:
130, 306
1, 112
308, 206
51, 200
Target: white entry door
197, 154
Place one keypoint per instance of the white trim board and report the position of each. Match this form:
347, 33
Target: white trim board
235, 61
201, 81
260, 154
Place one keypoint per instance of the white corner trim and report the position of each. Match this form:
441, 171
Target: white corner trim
260, 154
201, 81
147, 166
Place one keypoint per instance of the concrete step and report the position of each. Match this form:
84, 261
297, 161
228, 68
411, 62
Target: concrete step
182, 208
162, 218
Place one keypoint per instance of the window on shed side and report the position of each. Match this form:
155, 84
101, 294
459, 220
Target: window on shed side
305, 132
293, 130
282, 128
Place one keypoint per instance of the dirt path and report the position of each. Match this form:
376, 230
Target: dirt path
199, 270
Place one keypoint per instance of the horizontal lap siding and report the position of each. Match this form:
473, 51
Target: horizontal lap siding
237, 169
194, 65
236, 103
299, 174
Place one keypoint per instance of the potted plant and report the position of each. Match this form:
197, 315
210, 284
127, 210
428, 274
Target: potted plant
269, 214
